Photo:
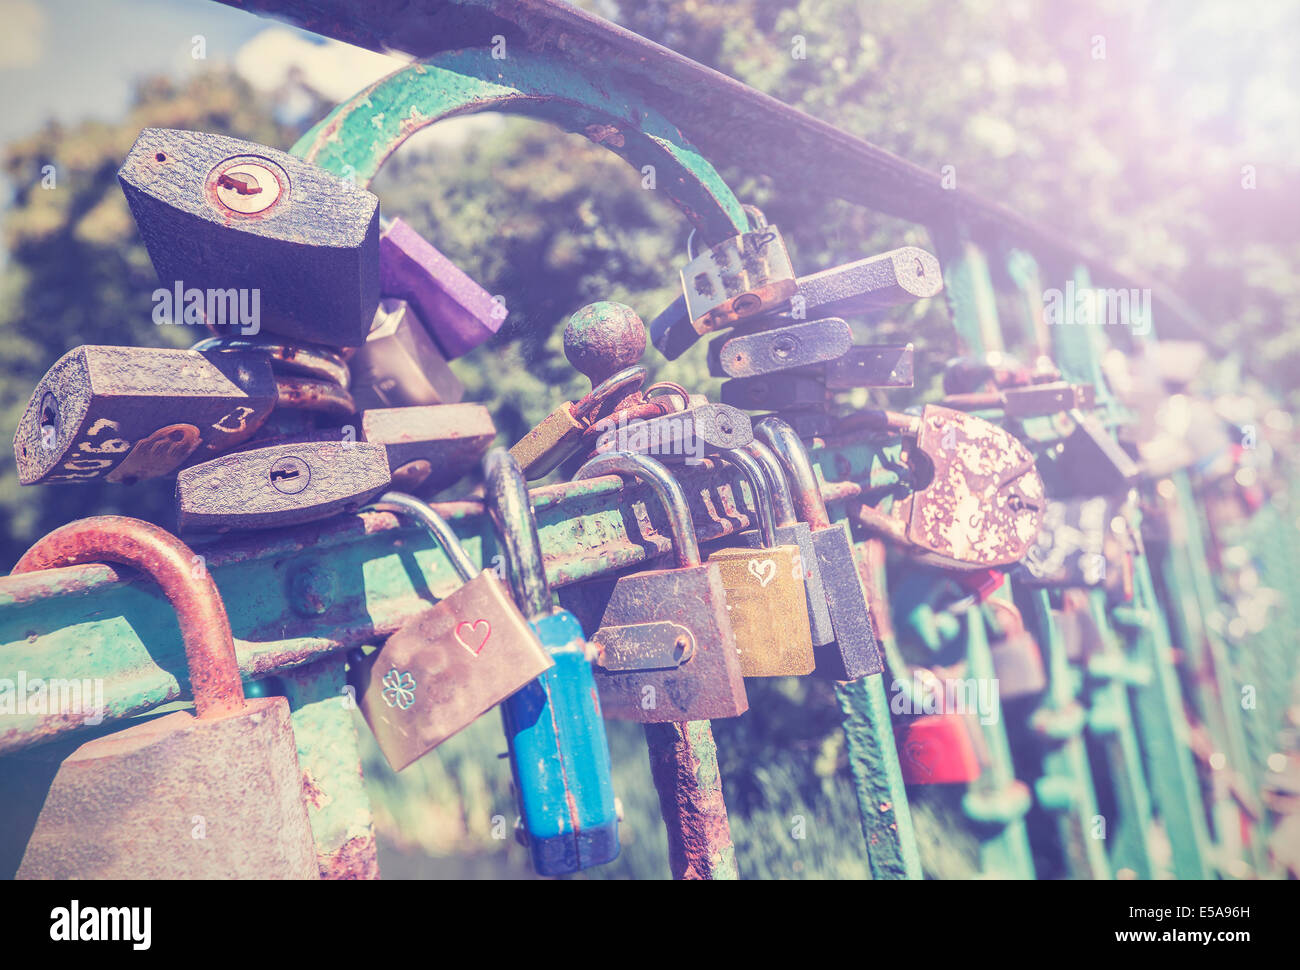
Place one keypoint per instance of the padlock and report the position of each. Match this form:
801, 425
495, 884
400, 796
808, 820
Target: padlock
779, 348
938, 749
689, 435
443, 670
399, 365
458, 313
280, 485
877, 283
558, 751
667, 652
777, 392
855, 652
978, 499
122, 414
430, 448
560, 434
1033, 400
791, 532
864, 286
213, 796
742, 276
871, 365
1091, 462
310, 380
1017, 660
766, 596
225, 220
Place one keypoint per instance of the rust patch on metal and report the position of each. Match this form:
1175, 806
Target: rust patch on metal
357, 858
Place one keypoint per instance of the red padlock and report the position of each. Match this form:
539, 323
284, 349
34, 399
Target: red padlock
939, 749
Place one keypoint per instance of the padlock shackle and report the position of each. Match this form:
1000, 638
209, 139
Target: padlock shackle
778, 487
793, 456
757, 477
399, 503
185, 581
665, 487
510, 507
310, 360
624, 382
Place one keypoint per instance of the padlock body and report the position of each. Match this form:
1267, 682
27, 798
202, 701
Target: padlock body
432, 447
311, 255
877, 283
541, 451
458, 312
799, 534
779, 348
692, 434
938, 749
985, 503
767, 606
1018, 666
872, 365
855, 651
702, 683
171, 797
438, 674
399, 365
749, 273
560, 757
280, 485
123, 414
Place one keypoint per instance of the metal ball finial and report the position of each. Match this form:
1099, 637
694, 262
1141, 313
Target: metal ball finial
603, 338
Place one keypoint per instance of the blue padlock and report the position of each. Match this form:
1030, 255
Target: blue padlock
558, 752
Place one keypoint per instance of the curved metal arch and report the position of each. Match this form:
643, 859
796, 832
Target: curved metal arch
358, 136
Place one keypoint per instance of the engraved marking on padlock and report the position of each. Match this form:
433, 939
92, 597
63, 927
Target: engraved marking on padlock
661, 645
290, 475
159, 454
240, 414
246, 185
918, 755
399, 689
764, 571
472, 627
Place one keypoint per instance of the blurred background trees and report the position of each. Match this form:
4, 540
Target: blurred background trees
1143, 152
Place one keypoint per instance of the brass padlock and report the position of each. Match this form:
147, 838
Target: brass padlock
766, 599
213, 796
744, 275
560, 434
439, 673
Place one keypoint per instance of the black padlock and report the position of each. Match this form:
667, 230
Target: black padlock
776, 392
222, 217
871, 365
855, 652
280, 485
122, 414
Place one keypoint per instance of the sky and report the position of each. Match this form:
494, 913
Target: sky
78, 59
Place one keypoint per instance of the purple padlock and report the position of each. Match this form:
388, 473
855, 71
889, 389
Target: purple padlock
458, 312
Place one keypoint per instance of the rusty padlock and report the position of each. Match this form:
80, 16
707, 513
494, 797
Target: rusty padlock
978, 499
441, 672
213, 795
667, 651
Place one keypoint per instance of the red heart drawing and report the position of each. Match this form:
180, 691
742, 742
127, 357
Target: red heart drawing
467, 643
